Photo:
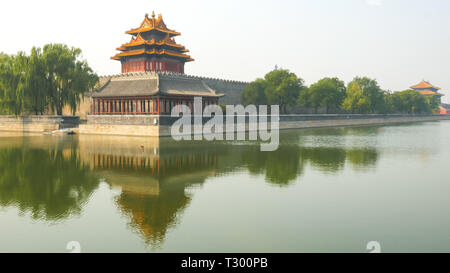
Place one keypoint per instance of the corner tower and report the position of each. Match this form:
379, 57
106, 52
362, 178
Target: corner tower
425, 88
152, 48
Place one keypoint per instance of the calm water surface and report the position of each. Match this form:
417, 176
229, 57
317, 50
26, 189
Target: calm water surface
327, 190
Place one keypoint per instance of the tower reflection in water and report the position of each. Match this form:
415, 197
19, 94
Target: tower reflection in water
153, 174
53, 177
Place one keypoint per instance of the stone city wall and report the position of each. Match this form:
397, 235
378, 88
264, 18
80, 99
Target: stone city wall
37, 123
132, 125
161, 126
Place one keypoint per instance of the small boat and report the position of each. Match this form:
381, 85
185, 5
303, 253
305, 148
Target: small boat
66, 131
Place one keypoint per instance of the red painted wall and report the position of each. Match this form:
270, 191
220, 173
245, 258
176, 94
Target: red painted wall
141, 66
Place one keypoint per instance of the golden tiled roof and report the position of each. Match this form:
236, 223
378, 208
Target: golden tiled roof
429, 92
138, 40
424, 85
153, 23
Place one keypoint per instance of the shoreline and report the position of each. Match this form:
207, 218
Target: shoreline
159, 126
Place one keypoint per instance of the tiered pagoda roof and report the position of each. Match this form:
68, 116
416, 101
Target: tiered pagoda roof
153, 38
425, 85
426, 88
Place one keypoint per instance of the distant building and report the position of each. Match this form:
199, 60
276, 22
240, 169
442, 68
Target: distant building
425, 88
444, 109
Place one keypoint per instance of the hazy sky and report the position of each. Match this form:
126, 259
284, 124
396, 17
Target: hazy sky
398, 42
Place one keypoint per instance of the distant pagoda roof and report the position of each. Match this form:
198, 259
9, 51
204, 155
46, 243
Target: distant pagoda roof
152, 24
429, 92
162, 44
424, 85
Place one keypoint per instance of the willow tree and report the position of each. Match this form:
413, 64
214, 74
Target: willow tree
36, 95
13, 83
68, 77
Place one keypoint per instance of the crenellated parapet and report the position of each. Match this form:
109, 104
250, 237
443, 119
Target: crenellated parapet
167, 75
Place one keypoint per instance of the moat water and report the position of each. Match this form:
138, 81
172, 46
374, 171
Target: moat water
323, 190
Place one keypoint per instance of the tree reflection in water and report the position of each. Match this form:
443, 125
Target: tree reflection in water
50, 184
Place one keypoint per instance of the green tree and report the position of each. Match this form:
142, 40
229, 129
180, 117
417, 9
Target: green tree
393, 103
3, 57
253, 93
372, 95
433, 103
13, 83
411, 102
414, 102
327, 92
37, 90
355, 101
68, 77
283, 88
278, 87
304, 98
48, 79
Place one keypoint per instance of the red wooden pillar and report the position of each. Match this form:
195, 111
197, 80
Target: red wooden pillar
93, 106
158, 105
153, 106
121, 106
135, 107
